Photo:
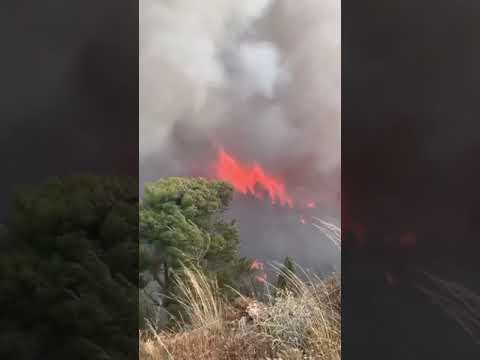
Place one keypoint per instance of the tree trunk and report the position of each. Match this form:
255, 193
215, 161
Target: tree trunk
156, 274
166, 276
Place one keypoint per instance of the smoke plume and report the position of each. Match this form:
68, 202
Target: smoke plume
259, 78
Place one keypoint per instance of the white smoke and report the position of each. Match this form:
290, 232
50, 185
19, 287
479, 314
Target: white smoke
259, 77
181, 43
266, 71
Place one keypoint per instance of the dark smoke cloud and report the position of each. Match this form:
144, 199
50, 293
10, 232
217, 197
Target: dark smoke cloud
410, 124
410, 145
69, 91
262, 79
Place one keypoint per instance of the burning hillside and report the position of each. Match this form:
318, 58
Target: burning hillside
236, 75
250, 179
253, 179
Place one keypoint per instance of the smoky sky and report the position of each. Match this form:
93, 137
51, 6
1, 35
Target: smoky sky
69, 91
261, 79
410, 118
410, 146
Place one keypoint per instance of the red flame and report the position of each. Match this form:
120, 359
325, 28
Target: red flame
246, 179
259, 266
262, 278
311, 205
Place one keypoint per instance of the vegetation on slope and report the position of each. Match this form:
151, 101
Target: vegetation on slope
299, 322
212, 295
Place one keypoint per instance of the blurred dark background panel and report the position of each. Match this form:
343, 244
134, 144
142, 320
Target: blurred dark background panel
69, 175
410, 175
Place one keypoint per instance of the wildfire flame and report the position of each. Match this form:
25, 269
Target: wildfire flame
257, 265
311, 205
248, 179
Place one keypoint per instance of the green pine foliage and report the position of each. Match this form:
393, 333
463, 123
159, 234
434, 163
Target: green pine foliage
287, 271
182, 222
69, 278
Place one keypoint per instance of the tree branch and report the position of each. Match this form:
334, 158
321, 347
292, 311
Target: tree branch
160, 282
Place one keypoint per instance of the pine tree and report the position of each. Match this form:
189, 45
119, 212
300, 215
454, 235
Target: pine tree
182, 223
286, 272
70, 274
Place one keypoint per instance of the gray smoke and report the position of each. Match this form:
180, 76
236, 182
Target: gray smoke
262, 79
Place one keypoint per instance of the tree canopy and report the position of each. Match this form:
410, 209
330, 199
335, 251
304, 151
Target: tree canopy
182, 222
287, 271
69, 278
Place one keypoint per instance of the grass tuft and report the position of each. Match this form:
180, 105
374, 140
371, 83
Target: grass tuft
301, 321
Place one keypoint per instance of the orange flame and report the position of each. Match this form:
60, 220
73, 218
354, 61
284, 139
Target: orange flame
259, 266
256, 265
311, 205
247, 178
262, 278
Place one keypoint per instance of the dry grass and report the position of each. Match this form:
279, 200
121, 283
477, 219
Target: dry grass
306, 316
457, 301
302, 322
